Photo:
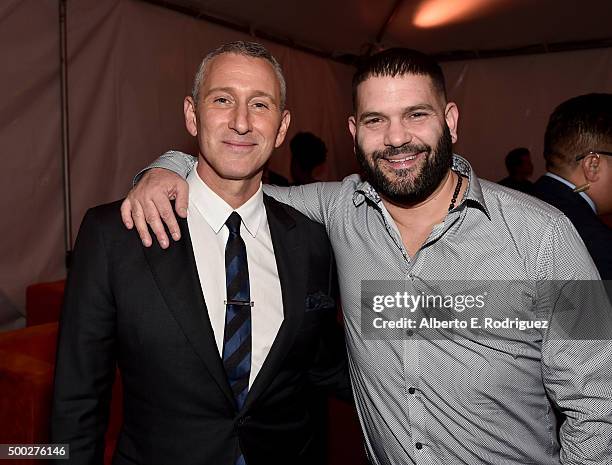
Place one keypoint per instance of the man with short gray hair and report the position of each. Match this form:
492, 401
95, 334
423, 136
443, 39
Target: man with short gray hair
222, 340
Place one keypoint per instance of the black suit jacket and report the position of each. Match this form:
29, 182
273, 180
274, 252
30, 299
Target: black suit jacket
596, 235
143, 310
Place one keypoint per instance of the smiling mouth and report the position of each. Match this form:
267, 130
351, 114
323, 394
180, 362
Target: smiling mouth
401, 160
402, 163
239, 147
239, 143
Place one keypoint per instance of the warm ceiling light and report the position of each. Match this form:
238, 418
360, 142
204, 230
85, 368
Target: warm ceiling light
433, 13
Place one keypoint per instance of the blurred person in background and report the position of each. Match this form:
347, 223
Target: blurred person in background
307, 153
520, 169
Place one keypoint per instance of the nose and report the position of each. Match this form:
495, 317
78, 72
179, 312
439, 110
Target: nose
397, 134
240, 120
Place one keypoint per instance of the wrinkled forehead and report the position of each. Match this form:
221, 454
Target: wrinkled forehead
236, 62
229, 69
397, 91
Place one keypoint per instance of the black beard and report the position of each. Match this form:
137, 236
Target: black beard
403, 190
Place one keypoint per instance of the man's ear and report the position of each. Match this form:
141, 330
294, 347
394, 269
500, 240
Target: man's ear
191, 120
352, 125
282, 130
590, 167
451, 115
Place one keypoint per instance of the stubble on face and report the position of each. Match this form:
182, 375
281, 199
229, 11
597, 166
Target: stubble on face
238, 118
408, 186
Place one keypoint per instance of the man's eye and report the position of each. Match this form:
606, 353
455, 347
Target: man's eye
221, 100
260, 105
417, 115
372, 121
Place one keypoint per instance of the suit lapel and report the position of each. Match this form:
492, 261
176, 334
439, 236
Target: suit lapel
176, 274
290, 255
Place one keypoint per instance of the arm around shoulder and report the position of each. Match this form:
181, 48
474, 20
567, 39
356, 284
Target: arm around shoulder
148, 203
318, 201
178, 162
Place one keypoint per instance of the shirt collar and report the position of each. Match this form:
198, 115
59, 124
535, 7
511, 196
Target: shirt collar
572, 187
473, 195
216, 211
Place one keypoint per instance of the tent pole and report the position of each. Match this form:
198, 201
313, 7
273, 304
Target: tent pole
65, 133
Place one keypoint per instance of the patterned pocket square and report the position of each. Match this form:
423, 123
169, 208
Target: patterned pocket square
319, 300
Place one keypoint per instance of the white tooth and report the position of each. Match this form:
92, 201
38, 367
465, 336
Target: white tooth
401, 160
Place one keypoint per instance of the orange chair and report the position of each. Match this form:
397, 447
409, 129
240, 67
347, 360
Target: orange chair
27, 359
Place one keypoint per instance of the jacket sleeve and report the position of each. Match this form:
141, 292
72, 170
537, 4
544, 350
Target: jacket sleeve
316, 201
86, 361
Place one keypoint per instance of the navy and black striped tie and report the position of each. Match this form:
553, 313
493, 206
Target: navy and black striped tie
237, 335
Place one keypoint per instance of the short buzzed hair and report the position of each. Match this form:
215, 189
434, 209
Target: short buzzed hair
395, 62
248, 49
576, 126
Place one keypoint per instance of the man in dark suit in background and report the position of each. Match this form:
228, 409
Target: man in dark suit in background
220, 338
578, 153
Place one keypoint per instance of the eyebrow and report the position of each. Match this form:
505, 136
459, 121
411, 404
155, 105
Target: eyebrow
410, 109
229, 90
369, 114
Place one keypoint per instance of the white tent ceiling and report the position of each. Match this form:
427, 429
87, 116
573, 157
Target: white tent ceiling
468, 27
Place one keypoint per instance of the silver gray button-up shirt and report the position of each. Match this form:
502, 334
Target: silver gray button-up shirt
462, 401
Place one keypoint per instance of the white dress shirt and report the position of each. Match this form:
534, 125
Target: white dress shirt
206, 219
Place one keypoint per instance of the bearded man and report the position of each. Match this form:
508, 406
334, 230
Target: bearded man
421, 215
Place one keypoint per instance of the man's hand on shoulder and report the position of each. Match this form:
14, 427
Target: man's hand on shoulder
149, 202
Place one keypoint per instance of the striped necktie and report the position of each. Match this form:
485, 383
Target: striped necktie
237, 334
